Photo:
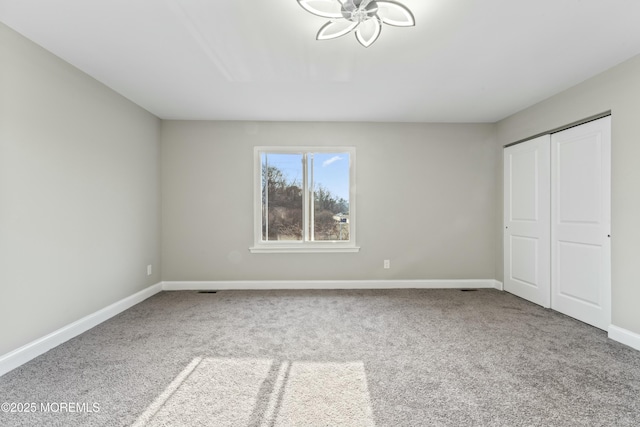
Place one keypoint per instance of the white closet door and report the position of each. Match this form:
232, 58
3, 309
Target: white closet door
527, 220
580, 218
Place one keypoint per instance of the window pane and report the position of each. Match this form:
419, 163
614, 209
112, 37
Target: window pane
281, 196
329, 179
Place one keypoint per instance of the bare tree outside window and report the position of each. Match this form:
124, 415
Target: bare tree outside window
282, 197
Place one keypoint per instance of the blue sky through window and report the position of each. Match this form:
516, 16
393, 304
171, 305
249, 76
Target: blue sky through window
331, 170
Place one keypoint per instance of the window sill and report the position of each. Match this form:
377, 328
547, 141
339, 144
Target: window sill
299, 249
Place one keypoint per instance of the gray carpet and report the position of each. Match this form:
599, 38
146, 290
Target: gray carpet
329, 358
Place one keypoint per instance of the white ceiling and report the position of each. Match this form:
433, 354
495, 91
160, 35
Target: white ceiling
464, 61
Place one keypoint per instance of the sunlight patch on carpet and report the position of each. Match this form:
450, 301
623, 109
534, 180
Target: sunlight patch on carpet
232, 392
220, 392
325, 394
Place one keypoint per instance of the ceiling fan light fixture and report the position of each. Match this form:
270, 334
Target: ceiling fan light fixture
363, 17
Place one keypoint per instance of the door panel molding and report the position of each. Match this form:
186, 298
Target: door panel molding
581, 222
527, 220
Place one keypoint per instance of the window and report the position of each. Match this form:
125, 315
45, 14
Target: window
304, 199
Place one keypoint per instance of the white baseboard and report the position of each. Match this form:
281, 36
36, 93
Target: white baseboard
329, 284
625, 337
30, 351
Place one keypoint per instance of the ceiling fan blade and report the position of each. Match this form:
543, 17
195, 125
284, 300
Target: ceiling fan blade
324, 8
368, 32
335, 29
396, 14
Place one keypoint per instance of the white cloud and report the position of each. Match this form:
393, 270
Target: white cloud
331, 160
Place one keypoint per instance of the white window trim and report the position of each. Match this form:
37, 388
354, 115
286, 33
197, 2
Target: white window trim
260, 246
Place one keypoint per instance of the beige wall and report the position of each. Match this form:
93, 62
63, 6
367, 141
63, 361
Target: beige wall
79, 195
425, 201
617, 90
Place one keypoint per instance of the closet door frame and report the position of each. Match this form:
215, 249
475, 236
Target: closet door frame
604, 302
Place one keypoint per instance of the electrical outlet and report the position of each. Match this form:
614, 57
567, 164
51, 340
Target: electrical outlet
387, 263
149, 270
